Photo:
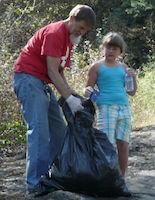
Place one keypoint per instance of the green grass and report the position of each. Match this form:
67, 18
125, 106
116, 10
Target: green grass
143, 103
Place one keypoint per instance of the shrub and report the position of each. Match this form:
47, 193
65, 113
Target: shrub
12, 127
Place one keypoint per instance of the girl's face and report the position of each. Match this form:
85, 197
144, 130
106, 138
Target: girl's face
111, 52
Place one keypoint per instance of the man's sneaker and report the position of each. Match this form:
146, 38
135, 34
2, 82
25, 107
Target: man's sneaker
40, 190
31, 193
126, 192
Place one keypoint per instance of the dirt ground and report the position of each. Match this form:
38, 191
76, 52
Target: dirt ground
140, 177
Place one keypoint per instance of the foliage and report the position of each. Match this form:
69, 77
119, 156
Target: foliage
143, 104
12, 133
133, 19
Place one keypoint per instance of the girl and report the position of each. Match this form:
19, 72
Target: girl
108, 74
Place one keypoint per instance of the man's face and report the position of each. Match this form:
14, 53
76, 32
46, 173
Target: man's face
74, 40
77, 30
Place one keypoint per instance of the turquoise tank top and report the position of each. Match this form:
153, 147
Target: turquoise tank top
110, 82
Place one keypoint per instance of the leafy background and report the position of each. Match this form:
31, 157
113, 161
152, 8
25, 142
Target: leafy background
134, 19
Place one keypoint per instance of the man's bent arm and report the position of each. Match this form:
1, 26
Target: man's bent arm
53, 67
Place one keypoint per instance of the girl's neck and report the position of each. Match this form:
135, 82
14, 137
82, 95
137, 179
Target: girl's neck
110, 63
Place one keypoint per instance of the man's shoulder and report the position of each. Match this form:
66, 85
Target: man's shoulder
53, 27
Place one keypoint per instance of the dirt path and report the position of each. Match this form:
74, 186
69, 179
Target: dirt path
140, 177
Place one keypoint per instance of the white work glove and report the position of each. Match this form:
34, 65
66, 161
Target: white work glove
74, 103
87, 91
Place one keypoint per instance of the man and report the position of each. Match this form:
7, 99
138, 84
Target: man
42, 61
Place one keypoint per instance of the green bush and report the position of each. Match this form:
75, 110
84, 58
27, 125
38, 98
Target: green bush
12, 133
12, 128
143, 103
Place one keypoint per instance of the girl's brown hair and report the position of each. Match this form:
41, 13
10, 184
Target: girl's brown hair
113, 39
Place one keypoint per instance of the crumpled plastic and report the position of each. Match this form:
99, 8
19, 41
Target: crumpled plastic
87, 162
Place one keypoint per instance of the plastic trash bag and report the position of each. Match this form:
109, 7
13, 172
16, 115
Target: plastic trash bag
87, 162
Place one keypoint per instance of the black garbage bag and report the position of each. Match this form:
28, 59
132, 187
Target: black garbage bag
88, 162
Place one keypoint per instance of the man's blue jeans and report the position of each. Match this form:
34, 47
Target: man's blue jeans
45, 125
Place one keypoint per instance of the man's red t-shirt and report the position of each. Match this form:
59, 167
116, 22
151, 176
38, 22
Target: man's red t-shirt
51, 40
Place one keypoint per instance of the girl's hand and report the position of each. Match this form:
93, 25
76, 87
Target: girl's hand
131, 72
87, 91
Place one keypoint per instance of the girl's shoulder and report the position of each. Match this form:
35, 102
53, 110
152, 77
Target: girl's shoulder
96, 65
124, 66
